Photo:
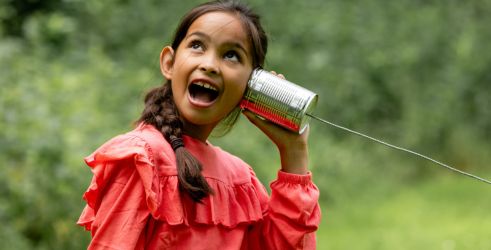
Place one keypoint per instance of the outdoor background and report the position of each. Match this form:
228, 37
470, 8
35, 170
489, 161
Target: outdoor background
414, 73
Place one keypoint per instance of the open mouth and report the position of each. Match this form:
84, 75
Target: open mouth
202, 92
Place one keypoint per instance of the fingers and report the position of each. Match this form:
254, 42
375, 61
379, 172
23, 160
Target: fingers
287, 141
256, 120
278, 75
271, 130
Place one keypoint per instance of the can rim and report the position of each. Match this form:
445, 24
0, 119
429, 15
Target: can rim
309, 107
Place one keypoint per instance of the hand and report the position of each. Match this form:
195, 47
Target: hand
293, 147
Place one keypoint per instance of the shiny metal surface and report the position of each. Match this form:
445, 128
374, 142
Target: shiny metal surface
279, 100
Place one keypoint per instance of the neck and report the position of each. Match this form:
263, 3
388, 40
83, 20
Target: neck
200, 132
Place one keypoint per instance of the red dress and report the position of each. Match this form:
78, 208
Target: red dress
134, 202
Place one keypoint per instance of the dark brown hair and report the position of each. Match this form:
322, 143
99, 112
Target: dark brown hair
161, 112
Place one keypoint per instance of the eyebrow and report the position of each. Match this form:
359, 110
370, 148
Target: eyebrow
208, 37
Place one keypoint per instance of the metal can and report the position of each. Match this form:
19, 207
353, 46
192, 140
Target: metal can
278, 100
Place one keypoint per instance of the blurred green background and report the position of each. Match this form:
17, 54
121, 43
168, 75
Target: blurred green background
414, 73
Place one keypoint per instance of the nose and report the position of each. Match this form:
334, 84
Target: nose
210, 65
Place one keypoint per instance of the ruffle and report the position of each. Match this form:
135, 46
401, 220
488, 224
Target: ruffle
110, 159
229, 206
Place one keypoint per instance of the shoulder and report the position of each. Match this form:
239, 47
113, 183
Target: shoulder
153, 139
144, 144
156, 147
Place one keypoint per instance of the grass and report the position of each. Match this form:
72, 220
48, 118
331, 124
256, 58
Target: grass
447, 213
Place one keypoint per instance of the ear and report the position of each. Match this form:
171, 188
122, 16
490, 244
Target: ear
167, 61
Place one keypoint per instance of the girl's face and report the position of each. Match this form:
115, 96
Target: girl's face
209, 71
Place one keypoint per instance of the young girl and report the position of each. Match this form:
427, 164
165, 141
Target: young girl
164, 186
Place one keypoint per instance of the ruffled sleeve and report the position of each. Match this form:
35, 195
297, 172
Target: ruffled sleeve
120, 194
292, 215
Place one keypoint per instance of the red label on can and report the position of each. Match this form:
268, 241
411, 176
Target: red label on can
268, 114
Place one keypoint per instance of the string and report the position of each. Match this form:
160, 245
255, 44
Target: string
401, 149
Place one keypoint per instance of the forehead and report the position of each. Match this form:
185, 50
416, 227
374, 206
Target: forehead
221, 26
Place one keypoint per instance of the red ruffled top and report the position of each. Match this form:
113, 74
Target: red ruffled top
134, 202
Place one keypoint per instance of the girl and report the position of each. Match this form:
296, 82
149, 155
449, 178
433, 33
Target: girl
164, 186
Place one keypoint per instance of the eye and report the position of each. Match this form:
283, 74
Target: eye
196, 45
232, 55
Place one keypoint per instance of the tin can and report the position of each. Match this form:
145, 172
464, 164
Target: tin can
278, 100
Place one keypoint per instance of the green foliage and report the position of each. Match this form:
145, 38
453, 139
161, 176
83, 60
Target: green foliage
414, 73
442, 213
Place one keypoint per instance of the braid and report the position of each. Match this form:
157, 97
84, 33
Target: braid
160, 111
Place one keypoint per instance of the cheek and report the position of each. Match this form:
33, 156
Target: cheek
244, 79
178, 85
234, 95
240, 87
178, 93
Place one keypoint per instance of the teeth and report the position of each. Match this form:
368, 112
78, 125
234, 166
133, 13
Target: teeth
206, 85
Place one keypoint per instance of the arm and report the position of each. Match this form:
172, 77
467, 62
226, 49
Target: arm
292, 147
293, 212
291, 216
